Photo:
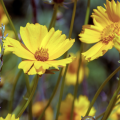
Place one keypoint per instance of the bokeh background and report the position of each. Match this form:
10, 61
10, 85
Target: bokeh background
22, 12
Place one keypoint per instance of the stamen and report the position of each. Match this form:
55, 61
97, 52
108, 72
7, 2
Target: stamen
41, 54
108, 33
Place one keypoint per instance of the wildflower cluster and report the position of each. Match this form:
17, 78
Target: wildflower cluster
41, 49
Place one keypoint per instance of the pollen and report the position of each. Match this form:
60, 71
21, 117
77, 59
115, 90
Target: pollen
41, 54
109, 31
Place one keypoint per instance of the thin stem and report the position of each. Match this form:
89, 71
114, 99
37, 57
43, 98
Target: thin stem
29, 91
61, 93
76, 86
104, 112
13, 90
100, 89
23, 102
52, 23
10, 21
54, 91
112, 101
73, 18
110, 106
30, 97
87, 13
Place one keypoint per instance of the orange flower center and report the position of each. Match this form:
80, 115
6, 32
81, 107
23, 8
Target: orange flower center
109, 31
41, 54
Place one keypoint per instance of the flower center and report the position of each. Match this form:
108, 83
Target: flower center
109, 31
41, 54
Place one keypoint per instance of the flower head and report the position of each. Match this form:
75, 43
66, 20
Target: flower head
38, 107
104, 31
9, 117
80, 108
40, 49
71, 75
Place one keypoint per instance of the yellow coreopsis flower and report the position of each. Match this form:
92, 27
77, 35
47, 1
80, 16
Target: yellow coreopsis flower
105, 31
80, 108
9, 117
71, 75
40, 49
38, 108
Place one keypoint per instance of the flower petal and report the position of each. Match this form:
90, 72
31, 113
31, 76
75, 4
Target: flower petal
101, 16
47, 38
62, 62
111, 10
90, 36
32, 35
97, 50
26, 65
60, 48
18, 48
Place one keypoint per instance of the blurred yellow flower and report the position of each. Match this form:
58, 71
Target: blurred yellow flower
71, 75
38, 107
104, 31
115, 115
9, 117
80, 108
41, 48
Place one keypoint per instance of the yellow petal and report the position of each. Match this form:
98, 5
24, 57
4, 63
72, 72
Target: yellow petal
111, 10
116, 42
18, 48
26, 65
97, 50
100, 13
47, 38
60, 49
90, 36
32, 35
62, 62
32, 71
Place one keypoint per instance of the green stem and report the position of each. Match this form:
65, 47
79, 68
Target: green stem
29, 91
30, 97
52, 23
22, 104
54, 91
61, 93
76, 86
104, 112
100, 89
110, 106
112, 101
87, 13
73, 18
13, 90
10, 21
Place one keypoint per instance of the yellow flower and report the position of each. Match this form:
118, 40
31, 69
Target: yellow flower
80, 108
106, 27
71, 75
41, 48
38, 107
9, 117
